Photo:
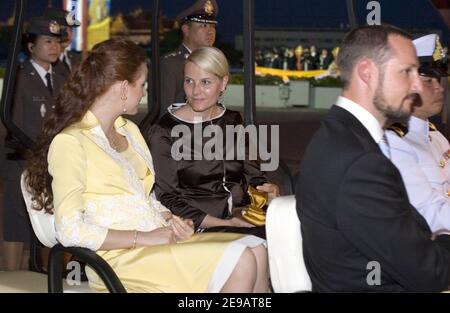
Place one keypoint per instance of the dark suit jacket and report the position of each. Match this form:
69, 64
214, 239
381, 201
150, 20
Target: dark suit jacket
354, 209
172, 77
32, 99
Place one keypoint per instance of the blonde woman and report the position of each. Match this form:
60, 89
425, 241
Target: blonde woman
205, 190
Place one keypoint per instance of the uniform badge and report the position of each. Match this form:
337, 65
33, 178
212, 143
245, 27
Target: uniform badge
438, 53
54, 28
43, 110
446, 155
209, 8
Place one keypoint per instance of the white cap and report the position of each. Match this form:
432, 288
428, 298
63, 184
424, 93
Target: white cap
432, 59
426, 45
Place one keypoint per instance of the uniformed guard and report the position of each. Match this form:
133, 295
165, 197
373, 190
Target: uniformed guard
420, 151
68, 59
36, 88
37, 84
198, 27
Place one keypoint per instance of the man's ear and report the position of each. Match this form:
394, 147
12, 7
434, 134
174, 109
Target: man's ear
30, 46
365, 70
185, 29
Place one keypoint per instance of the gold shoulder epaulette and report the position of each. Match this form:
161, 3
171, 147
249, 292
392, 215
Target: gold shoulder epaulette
398, 128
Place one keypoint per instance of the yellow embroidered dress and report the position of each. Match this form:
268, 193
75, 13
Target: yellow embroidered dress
96, 188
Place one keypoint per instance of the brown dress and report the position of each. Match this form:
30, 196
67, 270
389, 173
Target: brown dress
194, 188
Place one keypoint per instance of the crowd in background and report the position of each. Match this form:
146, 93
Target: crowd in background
299, 58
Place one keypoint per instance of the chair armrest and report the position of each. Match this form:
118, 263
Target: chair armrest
101, 267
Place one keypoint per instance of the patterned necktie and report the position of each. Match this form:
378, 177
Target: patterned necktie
49, 83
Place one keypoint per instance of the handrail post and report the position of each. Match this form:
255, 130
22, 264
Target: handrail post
249, 62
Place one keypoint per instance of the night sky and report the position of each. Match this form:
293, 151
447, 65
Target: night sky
280, 13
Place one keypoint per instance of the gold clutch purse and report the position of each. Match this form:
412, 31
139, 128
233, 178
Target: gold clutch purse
255, 213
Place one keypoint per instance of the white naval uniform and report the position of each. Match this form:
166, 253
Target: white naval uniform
422, 157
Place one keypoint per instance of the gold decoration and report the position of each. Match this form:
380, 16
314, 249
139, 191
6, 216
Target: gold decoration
209, 8
438, 53
54, 27
255, 212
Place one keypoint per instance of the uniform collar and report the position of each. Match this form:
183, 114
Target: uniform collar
363, 116
187, 48
418, 125
40, 70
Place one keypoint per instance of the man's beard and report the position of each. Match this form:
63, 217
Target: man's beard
394, 113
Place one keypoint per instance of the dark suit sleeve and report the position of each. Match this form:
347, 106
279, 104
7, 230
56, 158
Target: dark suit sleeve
378, 220
166, 178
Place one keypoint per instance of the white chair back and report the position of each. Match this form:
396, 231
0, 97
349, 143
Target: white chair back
43, 223
284, 244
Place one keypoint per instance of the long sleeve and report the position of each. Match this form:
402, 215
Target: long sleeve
374, 217
67, 165
432, 203
166, 178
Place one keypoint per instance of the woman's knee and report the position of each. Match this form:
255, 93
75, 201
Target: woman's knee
260, 253
247, 265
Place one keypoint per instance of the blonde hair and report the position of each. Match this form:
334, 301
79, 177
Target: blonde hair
210, 60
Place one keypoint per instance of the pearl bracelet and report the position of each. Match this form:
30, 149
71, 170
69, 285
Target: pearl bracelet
135, 239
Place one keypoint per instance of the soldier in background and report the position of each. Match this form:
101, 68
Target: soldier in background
198, 27
419, 150
35, 91
68, 59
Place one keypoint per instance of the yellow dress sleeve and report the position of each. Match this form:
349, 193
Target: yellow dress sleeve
137, 135
67, 166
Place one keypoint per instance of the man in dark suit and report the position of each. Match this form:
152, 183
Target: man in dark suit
68, 59
360, 233
198, 26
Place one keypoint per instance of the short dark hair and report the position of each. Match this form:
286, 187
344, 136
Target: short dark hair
26, 39
366, 42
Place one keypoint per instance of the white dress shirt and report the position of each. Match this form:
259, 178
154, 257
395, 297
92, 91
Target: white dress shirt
42, 72
364, 117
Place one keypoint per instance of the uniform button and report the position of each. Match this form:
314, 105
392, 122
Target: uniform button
442, 164
448, 193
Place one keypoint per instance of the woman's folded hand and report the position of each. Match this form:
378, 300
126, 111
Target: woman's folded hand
183, 229
159, 236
